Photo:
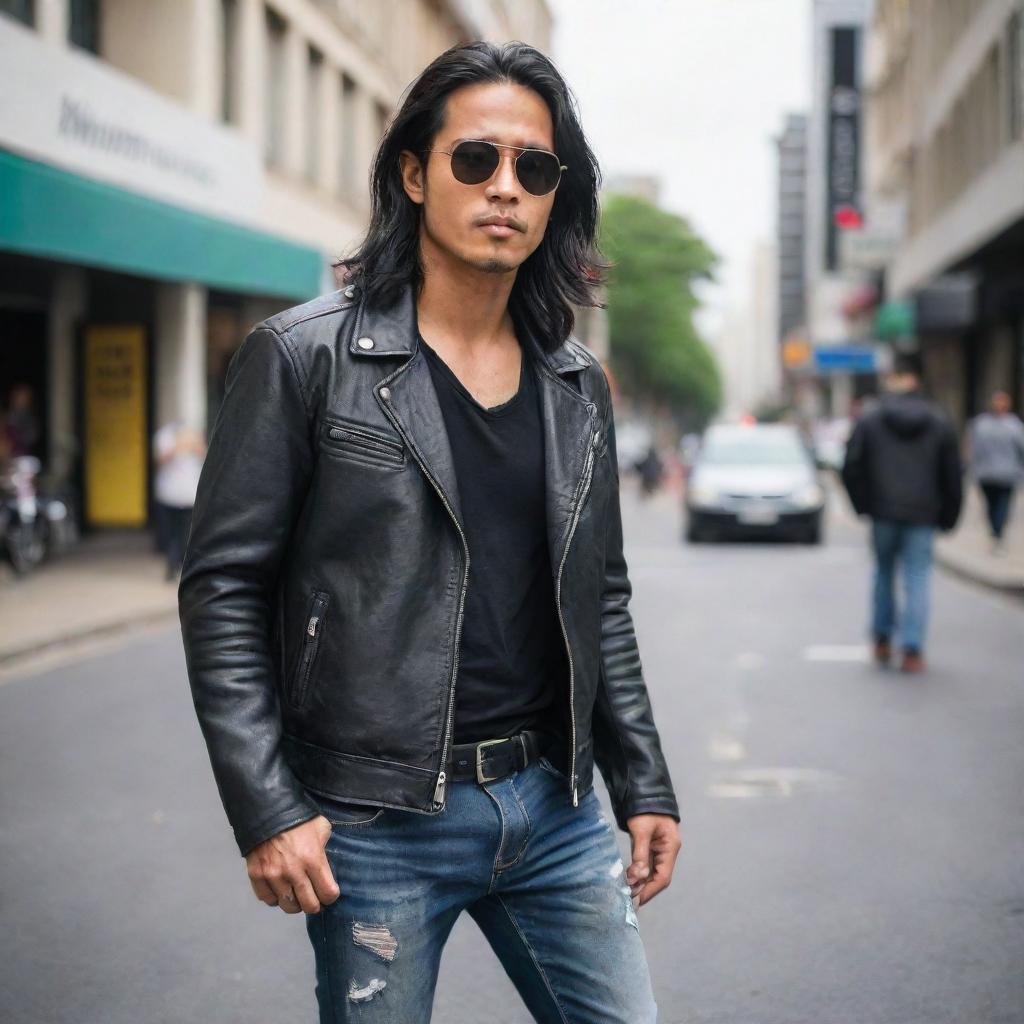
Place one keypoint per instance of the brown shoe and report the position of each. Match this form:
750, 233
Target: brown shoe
913, 662
883, 652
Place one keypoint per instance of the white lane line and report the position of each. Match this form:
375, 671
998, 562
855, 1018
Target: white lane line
754, 783
837, 652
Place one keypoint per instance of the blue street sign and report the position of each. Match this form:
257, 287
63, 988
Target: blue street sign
845, 359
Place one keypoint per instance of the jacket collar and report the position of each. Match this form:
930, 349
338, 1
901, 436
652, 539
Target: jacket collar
391, 331
567, 418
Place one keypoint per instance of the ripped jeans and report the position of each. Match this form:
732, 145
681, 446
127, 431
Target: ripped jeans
542, 879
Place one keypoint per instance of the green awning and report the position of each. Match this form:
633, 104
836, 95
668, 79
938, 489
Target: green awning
894, 319
52, 213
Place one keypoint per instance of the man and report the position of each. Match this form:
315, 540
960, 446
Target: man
902, 470
404, 601
995, 448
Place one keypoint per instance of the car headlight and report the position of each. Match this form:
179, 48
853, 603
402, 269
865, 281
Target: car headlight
808, 496
703, 495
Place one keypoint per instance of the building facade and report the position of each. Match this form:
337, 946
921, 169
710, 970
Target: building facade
833, 198
171, 172
791, 213
946, 109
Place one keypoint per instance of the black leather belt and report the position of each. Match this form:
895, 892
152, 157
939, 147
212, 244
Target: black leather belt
490, 760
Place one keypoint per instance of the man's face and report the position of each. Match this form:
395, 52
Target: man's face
451, 229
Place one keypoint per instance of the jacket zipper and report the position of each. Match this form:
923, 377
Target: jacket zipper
368, 442
439, 788
584, 489
310, 645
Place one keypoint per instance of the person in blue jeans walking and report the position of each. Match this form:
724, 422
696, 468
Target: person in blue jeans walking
902, 469
404, 603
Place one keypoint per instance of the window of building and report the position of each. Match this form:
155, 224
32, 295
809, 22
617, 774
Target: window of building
314, 74
229, 61
84, 24
21, 10
273, 142
1016, 66
347, 175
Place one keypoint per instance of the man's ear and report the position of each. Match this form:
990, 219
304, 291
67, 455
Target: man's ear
413, 175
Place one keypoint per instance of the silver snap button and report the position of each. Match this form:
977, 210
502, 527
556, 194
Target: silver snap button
365, 342
385, 393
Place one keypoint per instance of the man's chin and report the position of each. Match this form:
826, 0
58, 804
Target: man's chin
494, 265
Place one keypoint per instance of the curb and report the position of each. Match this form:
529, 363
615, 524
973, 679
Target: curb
10, 657
966, 566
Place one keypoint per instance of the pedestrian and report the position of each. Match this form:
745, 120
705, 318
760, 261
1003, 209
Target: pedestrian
995, 454
404, 604
178, 451
902, 470
21, 424
651, 469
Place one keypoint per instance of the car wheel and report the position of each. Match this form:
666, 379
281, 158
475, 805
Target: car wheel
814, 533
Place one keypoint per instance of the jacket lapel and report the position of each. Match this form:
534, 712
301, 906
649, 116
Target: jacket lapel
567, 418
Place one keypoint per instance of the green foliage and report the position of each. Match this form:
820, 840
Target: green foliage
655, 346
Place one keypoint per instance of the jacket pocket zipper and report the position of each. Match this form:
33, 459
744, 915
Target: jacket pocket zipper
348, 438
311, 641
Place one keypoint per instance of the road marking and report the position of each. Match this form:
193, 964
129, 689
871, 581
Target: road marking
752, 783
837, 652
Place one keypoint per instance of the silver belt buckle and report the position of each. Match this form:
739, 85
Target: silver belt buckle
479, 760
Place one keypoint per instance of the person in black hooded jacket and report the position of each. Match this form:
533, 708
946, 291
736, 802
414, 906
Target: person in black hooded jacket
902, 469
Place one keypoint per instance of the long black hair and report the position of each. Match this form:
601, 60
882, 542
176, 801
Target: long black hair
564, 269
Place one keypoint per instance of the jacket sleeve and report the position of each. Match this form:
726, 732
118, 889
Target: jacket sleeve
854, 472
950, 479
250, 492
627, 749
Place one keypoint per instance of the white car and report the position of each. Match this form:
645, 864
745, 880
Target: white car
754, 480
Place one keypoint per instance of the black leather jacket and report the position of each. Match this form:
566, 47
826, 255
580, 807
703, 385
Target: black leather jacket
323, 586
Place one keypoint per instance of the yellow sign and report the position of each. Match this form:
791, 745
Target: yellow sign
116, 447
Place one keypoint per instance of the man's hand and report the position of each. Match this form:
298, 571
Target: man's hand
290, 870
656, 845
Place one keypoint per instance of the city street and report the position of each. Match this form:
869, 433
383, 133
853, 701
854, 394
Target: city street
852, 838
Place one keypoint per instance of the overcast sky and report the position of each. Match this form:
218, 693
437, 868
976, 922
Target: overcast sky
692, 91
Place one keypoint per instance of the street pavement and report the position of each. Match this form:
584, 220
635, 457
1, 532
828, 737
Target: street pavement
852, 838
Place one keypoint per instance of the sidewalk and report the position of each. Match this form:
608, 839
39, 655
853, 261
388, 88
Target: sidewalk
968, 551
105, 583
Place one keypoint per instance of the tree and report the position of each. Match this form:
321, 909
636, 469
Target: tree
656, 260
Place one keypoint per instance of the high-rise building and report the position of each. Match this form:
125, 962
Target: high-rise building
791, 149
833, 196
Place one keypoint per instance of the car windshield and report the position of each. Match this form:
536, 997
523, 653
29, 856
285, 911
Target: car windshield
753, 449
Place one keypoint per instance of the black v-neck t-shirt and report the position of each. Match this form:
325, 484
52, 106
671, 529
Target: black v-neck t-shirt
512, 671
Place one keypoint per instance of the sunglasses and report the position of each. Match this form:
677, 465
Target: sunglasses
475, 161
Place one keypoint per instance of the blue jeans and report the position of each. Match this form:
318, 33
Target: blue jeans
543, 881
910, 547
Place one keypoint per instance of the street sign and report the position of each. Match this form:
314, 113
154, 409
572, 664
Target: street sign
845, 359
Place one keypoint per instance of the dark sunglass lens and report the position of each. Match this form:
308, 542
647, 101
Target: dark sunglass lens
474, 162
538, 172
